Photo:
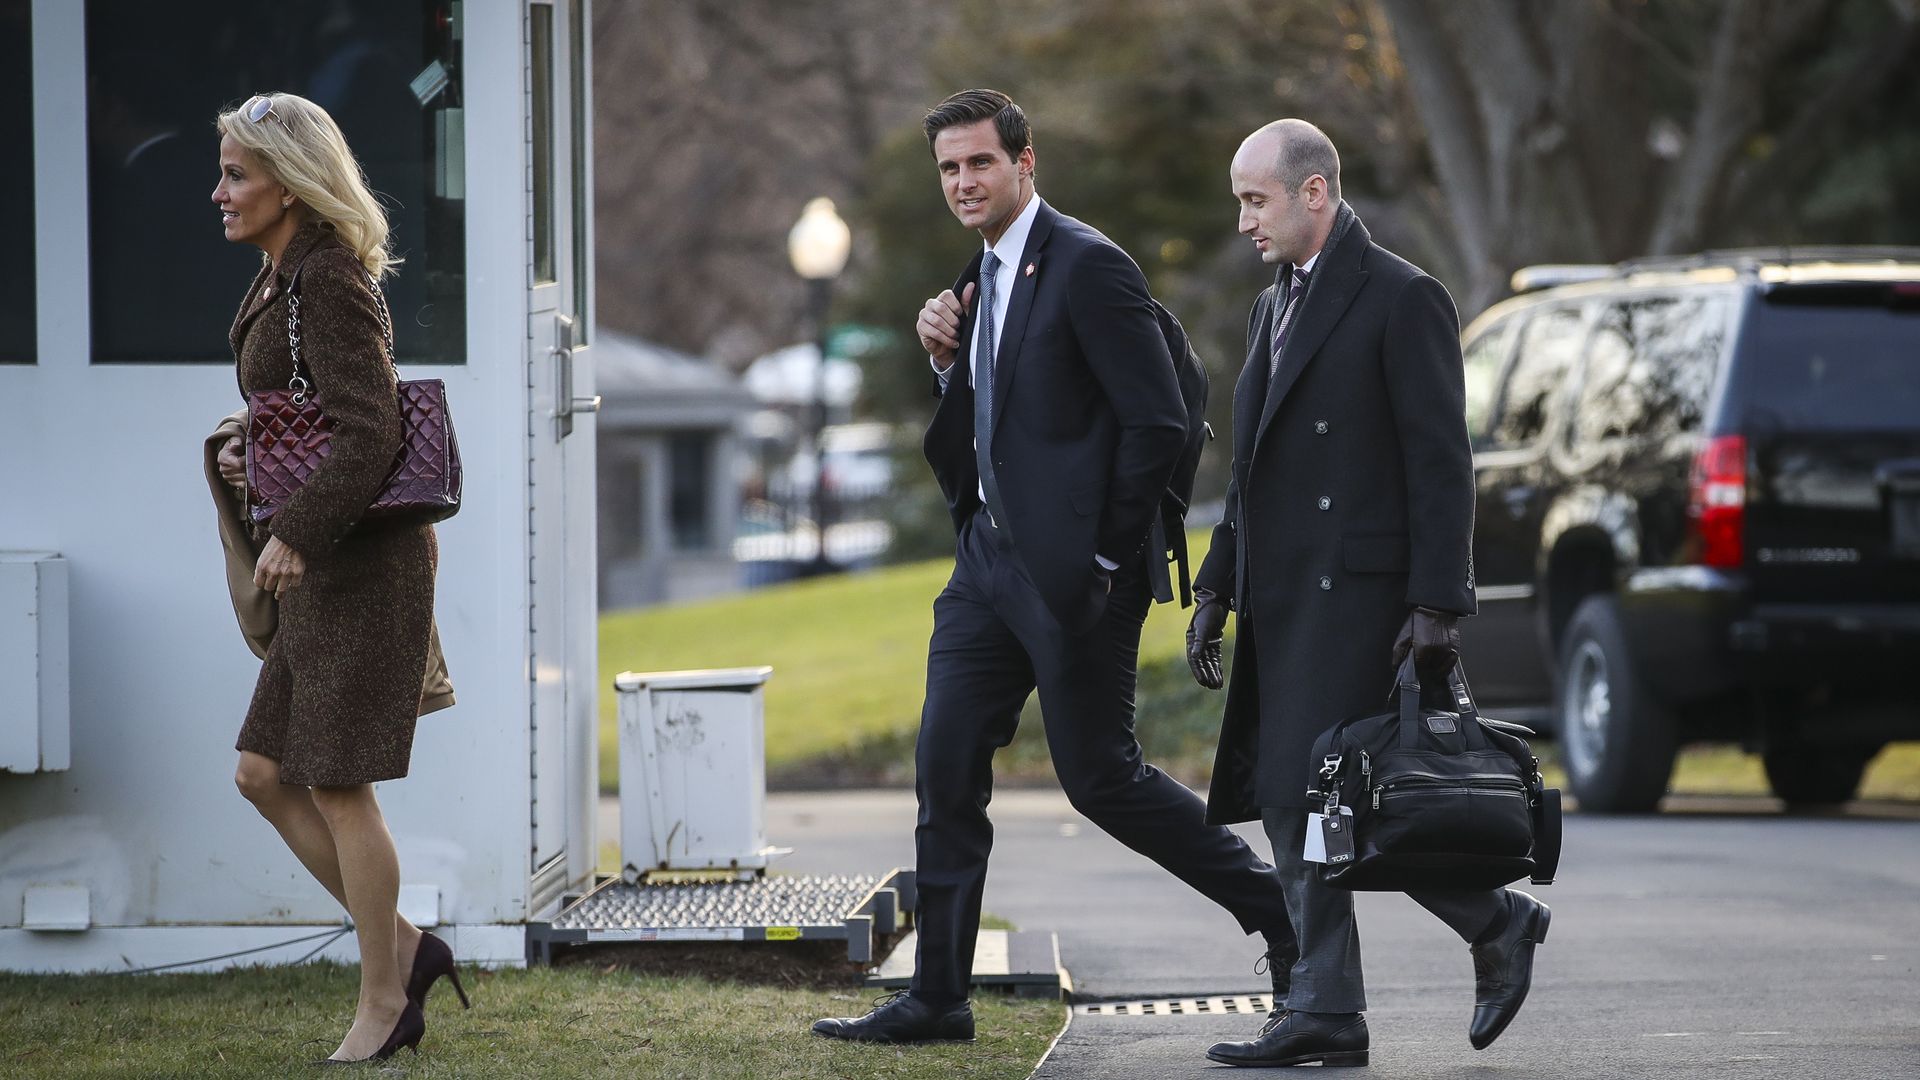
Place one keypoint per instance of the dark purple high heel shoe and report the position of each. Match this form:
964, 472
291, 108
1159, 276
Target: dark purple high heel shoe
408, 1032
433, 959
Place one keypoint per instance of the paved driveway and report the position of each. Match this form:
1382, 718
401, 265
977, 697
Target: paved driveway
1721, 939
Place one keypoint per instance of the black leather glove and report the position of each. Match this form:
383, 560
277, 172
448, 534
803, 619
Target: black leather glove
1203, 638
1433, 637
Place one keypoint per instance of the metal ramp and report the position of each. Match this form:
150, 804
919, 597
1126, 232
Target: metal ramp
1024, 961
693, 793
856, 909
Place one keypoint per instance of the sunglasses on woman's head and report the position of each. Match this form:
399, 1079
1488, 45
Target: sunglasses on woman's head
260, 107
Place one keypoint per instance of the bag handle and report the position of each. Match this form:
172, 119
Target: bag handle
1407, 684
300, 384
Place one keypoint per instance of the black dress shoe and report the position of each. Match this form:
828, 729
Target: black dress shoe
1332, 1039
902, 1018
1277, 962
1503, 968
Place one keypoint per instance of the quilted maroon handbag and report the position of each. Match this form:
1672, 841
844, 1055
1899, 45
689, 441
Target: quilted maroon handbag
289, 434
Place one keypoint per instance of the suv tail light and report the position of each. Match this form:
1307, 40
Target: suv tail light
1717, 501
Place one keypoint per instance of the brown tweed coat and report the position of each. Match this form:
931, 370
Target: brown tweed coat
255, 608
339, 690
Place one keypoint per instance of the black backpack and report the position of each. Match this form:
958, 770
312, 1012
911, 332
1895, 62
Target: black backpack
1170, 524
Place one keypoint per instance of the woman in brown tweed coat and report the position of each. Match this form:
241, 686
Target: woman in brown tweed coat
340, 687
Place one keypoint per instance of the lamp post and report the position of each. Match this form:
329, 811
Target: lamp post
817, 246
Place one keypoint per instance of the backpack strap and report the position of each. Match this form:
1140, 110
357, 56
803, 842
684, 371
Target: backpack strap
1157, 575
1179, 539
1546, 835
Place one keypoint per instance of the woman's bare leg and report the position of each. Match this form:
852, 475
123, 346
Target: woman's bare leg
370, 875
289, 808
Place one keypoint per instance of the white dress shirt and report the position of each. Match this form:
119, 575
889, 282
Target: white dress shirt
1012, 244
1305, 268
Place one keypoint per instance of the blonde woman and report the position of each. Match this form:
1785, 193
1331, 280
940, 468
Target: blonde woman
340, 688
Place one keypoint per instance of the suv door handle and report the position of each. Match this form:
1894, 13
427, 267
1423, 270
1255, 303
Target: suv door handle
1518, 499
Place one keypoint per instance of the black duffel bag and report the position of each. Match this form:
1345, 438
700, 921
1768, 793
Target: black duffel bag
1439, 799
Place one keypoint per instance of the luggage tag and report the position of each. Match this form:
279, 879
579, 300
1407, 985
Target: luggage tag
1329, 840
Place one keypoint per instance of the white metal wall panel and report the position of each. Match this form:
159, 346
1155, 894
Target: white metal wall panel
102, 464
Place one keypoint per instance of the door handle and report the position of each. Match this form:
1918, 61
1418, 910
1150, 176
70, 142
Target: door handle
1518, 500
565, 404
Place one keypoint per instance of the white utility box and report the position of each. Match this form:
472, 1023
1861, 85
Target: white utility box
693, 781
33, 662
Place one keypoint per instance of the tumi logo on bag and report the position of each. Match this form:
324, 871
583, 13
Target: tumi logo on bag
1441, 724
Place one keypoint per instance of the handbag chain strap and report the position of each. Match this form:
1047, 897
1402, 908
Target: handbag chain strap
300, 384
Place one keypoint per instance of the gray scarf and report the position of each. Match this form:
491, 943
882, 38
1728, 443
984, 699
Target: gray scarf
1343, 220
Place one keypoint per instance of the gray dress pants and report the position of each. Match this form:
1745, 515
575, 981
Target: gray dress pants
1327, 978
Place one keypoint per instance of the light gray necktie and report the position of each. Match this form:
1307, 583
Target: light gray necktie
983, 392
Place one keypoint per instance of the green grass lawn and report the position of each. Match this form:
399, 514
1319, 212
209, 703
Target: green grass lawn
563, 1022
848, 653
849, 660
849, 657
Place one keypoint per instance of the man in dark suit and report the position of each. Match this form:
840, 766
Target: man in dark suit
1058, 426
1346, 544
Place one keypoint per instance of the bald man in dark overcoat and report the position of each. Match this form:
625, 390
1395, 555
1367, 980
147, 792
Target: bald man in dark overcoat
1346, 544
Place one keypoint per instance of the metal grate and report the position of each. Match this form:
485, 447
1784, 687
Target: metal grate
770, 901
1225, 1005
850, 908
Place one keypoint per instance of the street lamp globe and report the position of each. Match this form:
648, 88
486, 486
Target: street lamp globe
818, 242
817, 246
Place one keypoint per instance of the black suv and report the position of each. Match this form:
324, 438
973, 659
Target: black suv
1699, 513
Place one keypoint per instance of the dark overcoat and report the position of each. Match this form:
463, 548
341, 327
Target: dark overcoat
1350, 503
340, 686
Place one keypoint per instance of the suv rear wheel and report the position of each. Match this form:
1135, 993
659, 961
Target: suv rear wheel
1802, 774
1617, 740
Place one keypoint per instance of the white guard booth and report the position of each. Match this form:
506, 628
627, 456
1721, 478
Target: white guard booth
123, 842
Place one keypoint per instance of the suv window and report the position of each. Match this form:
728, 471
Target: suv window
1830, 359
1650, 366
1549, 342
1484, 358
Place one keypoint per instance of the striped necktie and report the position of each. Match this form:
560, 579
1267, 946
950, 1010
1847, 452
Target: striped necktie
1285, 322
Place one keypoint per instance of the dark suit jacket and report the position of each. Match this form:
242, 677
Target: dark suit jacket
1087, 416
1351, 501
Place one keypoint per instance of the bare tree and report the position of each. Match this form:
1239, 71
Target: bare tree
1480, 134
1601, 129
715, 121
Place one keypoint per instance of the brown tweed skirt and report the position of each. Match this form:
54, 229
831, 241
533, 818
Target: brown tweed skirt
339, 691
